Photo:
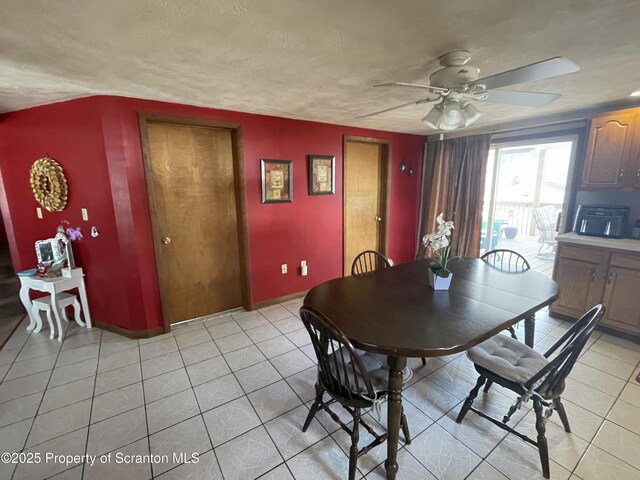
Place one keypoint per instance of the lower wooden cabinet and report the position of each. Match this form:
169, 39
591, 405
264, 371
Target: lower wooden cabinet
588, 276
622, 299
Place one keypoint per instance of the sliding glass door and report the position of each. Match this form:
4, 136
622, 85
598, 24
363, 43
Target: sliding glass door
525, 192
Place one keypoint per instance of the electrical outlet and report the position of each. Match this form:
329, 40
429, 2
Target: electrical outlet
85, 214
303, 263
38, 212
284, 268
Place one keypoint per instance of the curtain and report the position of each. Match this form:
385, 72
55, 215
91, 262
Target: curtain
453, 183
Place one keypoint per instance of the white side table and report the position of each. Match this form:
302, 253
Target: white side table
53, 286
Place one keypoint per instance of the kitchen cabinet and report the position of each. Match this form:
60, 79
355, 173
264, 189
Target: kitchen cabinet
612, 159
622, 292
579, 274
590, 275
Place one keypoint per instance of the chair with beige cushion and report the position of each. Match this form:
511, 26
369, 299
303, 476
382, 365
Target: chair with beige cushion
532, 375
355, 379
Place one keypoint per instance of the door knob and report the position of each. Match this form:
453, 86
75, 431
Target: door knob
166, 241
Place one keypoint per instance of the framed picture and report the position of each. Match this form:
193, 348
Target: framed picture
322, 175
277, 181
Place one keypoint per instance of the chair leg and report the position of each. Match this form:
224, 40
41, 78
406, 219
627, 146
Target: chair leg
512, 331
512, 410
487, 386
314, 408
405, 428
469, 401
353, 451
424, 361
562, 414
543, 449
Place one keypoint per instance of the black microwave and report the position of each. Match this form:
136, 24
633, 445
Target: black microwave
601, 221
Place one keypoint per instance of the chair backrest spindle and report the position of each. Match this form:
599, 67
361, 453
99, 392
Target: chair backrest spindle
369, 261
506, 260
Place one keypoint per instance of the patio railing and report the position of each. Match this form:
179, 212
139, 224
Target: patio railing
518, 214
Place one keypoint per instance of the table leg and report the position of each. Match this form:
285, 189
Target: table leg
85, 304
394, 412
26, 302
529, 330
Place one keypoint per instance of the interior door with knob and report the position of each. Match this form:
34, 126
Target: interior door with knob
190, 181
365, 198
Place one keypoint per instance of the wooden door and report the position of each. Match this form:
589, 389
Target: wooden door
578, 282
190, 180
364, 199
622, 300
609, 151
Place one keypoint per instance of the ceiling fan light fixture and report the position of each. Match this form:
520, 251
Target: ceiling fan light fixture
470, 113
451, 115
432, 119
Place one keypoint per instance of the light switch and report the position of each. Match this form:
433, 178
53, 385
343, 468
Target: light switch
39, 212
85, 215
284, 268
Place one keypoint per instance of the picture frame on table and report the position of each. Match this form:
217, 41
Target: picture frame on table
277, 180
48, 251
322, 175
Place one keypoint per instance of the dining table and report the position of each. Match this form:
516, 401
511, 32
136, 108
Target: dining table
394, 312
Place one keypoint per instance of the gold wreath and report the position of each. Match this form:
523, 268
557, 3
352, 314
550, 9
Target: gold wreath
49, 184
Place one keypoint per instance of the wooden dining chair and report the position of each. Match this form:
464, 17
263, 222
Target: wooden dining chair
369, 261
355, 381
531, 375
507, 261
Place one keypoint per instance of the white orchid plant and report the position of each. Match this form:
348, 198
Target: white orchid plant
439, 245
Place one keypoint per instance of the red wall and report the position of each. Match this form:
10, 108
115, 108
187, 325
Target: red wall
71, 133
97, 140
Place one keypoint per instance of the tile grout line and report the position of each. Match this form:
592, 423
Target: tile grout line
93, 396
206, 429
262, 424
35, 416
144, 405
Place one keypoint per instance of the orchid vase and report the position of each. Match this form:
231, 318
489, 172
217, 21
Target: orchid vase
438, 244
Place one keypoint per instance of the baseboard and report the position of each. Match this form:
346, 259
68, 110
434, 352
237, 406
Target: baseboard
125, 332
275, 301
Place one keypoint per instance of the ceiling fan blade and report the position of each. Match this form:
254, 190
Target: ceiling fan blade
525, 99
415, 102
413, 85
551, 67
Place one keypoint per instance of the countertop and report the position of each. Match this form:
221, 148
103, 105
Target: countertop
629, 244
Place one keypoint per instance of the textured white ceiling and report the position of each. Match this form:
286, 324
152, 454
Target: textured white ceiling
309, 59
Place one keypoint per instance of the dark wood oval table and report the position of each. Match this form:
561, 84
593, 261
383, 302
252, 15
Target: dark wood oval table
394, 312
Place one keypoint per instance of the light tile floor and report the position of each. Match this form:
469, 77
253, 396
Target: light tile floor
236, 388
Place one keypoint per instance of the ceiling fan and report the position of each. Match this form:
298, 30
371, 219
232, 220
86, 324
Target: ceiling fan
456, 86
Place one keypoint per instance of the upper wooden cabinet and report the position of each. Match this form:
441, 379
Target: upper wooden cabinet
612, 158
